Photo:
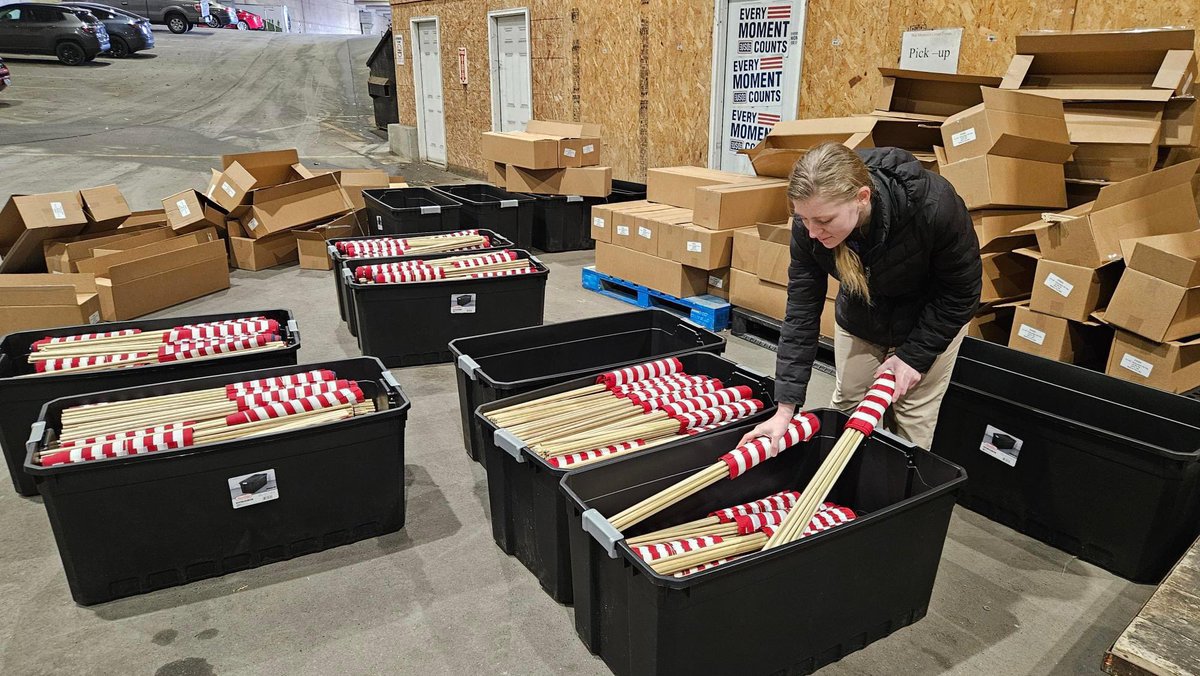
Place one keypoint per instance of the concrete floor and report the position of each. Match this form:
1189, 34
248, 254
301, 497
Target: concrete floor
439, 597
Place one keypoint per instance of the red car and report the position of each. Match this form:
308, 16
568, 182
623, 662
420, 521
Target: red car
5, 76
248, 22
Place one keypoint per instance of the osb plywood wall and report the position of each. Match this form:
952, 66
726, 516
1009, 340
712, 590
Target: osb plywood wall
643, 68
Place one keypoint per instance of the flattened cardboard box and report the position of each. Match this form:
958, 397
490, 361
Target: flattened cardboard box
293, 205
1011, 124
1071, 291
994, 228
676, 186
311, 244
28, 220
105, 208
724, 207
662, 275
162, 275
928, 96
63, 255
1006, 276
1100, 232
699, 247
1154, 308
1059, 339
189, 211
1114, 141
228, 189
272, 167
995, 181
1173, 366
745, 250
44, 301
267, 252
746, 290
584, 181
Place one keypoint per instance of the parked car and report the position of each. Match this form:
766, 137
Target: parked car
5, 76
248, 21
179, 16
127, 32
219, 15
75, 36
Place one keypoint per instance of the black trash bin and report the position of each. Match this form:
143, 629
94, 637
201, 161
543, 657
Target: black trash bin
563, 222
790, 610
499, 365
402, 211
486, 206
1101, 468
22, 398
529, 514
626, 191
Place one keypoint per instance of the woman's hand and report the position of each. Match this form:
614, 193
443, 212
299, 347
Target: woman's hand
774, 429
906, 376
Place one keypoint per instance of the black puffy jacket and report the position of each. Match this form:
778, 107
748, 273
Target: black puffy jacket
921, 257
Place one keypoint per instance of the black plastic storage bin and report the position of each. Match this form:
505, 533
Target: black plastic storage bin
130, 525
411, 324
1107, 470
497, 241
790, 610
563, 222
626, 191
486, 206
22, 398
529, 514
399, 211
499, 365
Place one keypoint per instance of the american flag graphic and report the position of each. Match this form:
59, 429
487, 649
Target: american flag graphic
770, 63
779, 12
768, 119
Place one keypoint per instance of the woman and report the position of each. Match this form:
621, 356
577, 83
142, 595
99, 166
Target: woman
900, 241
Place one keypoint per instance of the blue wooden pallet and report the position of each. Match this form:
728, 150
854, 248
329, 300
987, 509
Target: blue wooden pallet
709, 312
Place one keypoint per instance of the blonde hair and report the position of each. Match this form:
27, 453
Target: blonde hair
833, 172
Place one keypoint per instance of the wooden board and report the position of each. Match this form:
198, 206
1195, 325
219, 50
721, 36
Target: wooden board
608, 51
680, 82
1115, 14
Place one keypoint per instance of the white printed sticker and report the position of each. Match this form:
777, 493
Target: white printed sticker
645, 232
1031, 334
253, 224
251, 489
94, 318
589, 148
462, 304
597, 222
228, 190
184, 211
964, 136
1002, 446
379, 223
57, 208
716, 282
569, 152
695, 247
623, 230
1059, 285
1132, 363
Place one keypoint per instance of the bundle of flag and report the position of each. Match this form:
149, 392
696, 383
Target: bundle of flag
479, 266
379, 247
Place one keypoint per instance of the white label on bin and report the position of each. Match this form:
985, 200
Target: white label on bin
716, 282
184, 211
1059, 285
253, 488
253, 224
1031, 334
57, 208
964, 136
228, 189
462, 304
379, 223
94, 318
695, 247
569, 152
589, 148
597, 222
1002, 446
623, 230
645, 232
1132, 363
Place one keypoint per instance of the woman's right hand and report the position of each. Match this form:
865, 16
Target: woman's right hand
774, 429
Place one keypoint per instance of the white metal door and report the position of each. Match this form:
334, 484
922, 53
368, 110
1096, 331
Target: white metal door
432, 122
756, 75
511, 72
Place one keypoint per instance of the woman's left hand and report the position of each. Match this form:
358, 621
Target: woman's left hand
906, 376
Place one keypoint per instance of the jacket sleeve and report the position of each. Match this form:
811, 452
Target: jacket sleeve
958, 278
807, 284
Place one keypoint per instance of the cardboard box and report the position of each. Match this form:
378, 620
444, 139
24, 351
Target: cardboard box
495, 174
266, 252
1181, 121
228, 189
1172, 258
994, 228
669, 277
1173, 366
189, 211
64, 255
997, 181
699, 247
676, 186
1071, 291
27, 221
623, 222
992, 323
919, 137
774, 253
1098, 233
789, 140
45, 301
829, 318
1006, 276
579, 142
745, 250
718, 283
920, 95
355, 181
1154, 308
737, 205
1008, 123
293, 205
105, 208
1059, 339
651, 229
584, 181
747, 291
156, 276
531, 151
1115, 140
312, 244
272, 167
603, 216
140, 220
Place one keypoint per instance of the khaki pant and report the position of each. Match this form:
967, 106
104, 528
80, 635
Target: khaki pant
915, 415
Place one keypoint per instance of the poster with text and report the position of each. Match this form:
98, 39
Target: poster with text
759, 37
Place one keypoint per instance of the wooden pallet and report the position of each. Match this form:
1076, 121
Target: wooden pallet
709, 312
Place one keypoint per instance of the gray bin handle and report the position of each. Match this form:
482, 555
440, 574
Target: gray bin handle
294, 330
431, 210
602, 531
391, 380
508, 204
347, 275
574, 198
333, 252
468, 366
509, 444
36, 434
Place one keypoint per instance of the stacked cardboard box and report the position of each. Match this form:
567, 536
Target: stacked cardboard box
548, 158
37, 301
